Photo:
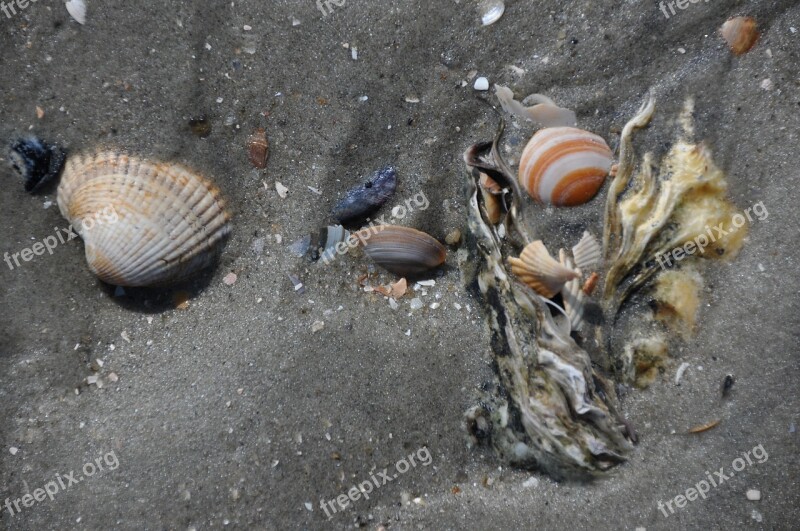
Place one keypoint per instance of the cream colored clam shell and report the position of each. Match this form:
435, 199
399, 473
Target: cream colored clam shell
143, 223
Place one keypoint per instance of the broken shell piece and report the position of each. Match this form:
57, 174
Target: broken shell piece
258, 148
564, 166
402, 250
325, 242
704, 427
544, 112
364, 199
77, 10
540, 271
491, 11
591, 284
741, 33
587, 252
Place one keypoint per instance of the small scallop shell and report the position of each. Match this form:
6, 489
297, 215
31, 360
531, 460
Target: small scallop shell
740, 33
540, 271
402, 250
572, 295
564, 166
168, 222
587, 253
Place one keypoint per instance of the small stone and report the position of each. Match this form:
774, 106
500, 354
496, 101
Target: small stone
434, 305
316, 326
309, 506
393, 304
247, 28
230, 279
91, 380
755, 515
13, 450
767, 84
454, 238
753, 495
39, 112
416, 303
530, 483
112, 377
482, 84
124, 336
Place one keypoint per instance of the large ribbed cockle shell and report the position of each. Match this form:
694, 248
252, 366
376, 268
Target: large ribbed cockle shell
143, 223
564, 166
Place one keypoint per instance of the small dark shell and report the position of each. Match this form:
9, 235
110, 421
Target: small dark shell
364, 199
402, 250
258, 148
36, 161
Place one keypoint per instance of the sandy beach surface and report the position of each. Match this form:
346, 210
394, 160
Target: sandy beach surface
256, 403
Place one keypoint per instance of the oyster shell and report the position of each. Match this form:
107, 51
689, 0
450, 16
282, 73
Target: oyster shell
554, 410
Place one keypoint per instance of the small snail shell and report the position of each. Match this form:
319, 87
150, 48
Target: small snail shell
564, 166
740, 33
402, 250
169, 222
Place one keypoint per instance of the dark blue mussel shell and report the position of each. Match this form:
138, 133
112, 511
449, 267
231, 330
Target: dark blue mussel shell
364, 199
36, 161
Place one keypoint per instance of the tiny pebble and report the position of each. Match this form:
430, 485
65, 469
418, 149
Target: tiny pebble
230, 279
281, 189
13, 450
416, 303
317, 326
482, 84
247, 28
755, 515
767, 84
309, 506
753, 495
530, 482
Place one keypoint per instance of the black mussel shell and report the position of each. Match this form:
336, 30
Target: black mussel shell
364, 199
36, 161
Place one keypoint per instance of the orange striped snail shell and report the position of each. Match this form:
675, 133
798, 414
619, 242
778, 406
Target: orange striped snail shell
564, 166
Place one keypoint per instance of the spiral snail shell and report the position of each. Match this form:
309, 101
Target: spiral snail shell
170, 221
564, 166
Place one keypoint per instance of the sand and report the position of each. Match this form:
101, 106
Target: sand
234, 412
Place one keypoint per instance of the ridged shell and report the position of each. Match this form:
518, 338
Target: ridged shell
587, 253
170, 222
540, 271
402, 250
740, 33
572, 295
564, 166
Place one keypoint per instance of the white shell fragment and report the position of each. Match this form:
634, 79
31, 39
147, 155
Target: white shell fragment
77, 10
679, 374
587, 253
491, 11
143, 223
482, 84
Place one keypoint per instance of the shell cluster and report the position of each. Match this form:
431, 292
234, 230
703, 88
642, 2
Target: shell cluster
171, 224
564, 166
